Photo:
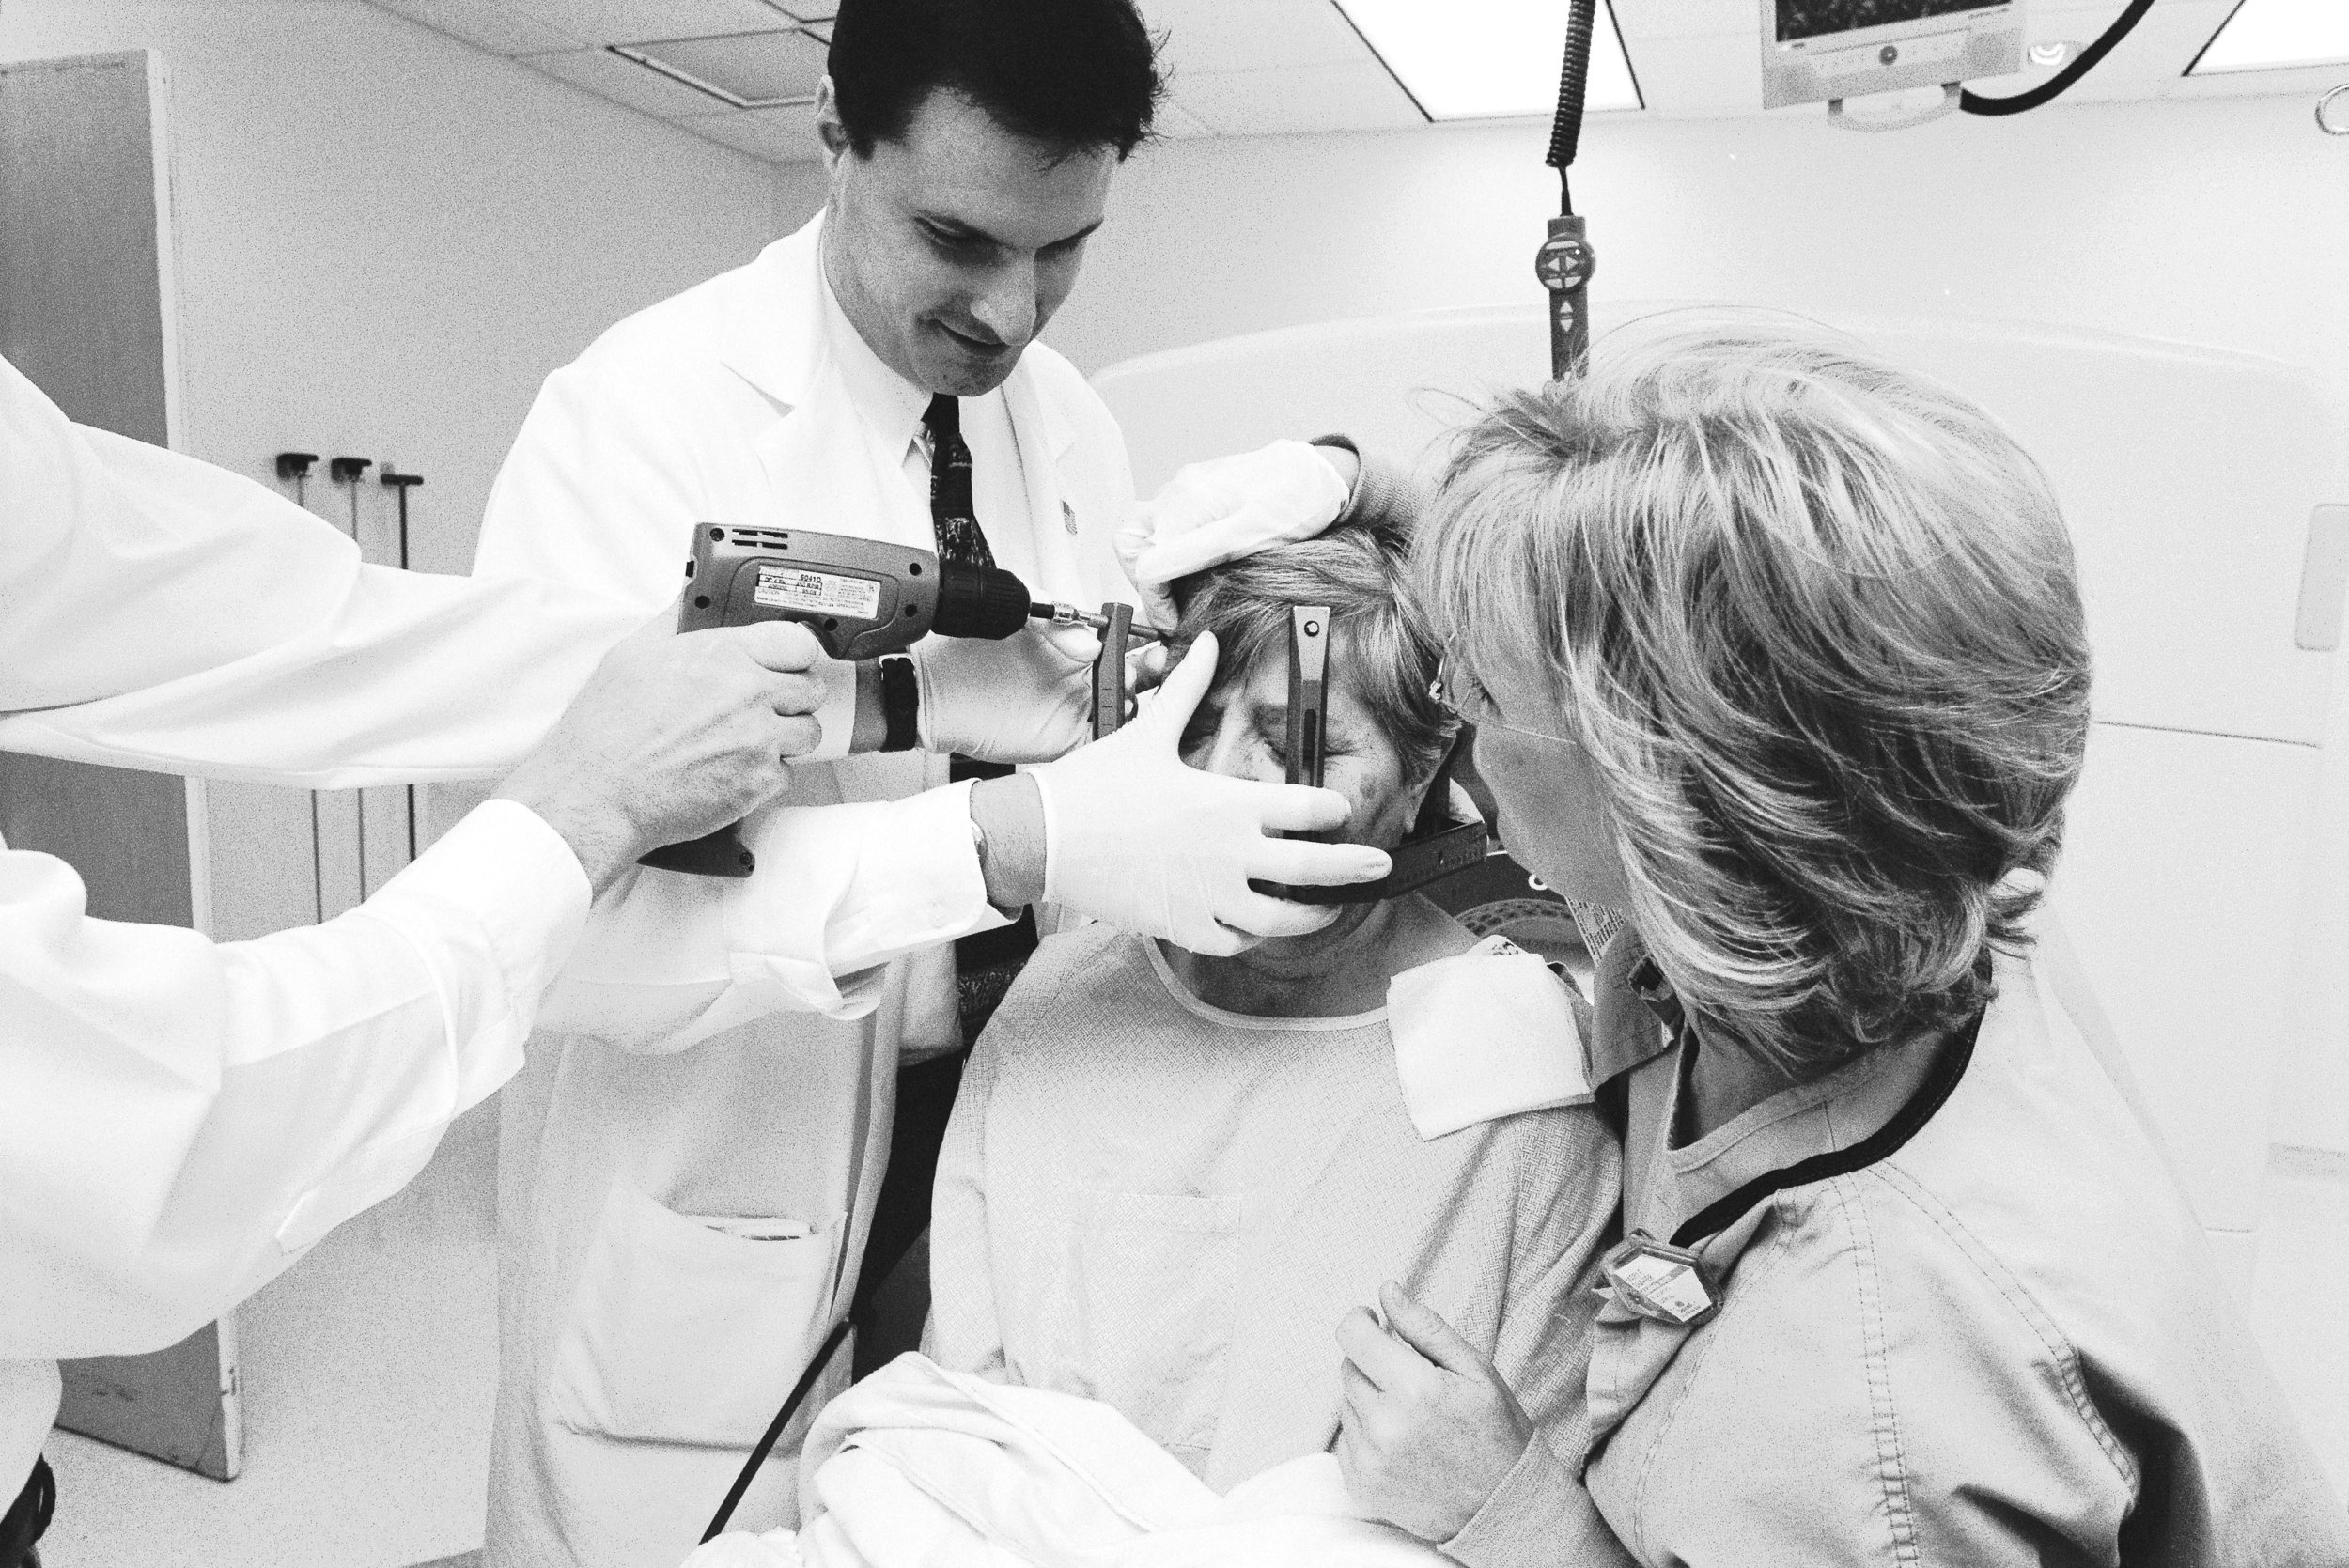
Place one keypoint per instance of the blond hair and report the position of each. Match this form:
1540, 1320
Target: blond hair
1818, 625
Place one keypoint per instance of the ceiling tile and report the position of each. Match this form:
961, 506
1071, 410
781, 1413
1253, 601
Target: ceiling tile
634, 20
1252, 35
1315, 98
811, 10
484, 25
778, 135
755, 67
623, 81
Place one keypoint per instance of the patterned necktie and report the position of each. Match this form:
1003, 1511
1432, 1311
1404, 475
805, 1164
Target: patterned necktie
987, 962
953, 514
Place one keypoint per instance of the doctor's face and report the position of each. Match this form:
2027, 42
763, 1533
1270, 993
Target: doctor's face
951, 246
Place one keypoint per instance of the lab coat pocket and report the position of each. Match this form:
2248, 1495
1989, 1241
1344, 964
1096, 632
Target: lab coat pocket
689, 1328
1152, 1279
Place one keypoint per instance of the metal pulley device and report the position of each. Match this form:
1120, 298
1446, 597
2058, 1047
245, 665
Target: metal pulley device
1565, 262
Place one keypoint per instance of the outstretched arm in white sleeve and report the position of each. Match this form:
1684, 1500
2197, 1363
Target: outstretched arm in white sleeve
178, 1119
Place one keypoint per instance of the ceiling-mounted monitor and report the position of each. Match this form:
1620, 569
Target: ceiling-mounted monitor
1813, 51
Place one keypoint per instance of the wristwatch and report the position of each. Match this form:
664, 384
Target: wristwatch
901, 705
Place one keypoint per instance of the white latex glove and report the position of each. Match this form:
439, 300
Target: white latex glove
1224, 508
1028, 698
1134, 837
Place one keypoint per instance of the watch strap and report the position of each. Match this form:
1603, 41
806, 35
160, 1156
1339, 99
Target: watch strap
901, 705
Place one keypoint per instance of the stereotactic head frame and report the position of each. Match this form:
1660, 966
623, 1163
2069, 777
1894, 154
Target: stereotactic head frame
1438, 845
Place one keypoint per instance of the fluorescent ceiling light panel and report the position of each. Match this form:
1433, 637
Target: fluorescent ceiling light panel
2272, 35
1488, 59
747, 70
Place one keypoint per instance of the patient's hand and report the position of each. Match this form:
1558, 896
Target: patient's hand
1430, 1429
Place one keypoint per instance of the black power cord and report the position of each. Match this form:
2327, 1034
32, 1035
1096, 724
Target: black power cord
766, 1445
1974, 104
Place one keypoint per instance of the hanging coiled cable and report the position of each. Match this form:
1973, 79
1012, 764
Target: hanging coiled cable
1574, 74
1566, 261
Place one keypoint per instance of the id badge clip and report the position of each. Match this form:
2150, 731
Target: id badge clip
1659, 1281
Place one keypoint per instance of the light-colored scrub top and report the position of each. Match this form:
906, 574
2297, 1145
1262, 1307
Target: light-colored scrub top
2006, 1343
1159, 1203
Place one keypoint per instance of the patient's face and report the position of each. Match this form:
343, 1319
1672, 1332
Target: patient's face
1240, 730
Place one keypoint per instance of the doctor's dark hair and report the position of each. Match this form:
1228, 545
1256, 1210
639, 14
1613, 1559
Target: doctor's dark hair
1380, 641
1070, 74
1816, 624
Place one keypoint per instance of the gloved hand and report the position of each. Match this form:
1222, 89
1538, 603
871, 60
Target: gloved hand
1134, 837
1028, 698
1224, 508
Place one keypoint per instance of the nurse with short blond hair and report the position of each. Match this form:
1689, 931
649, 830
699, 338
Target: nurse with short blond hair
1781, 650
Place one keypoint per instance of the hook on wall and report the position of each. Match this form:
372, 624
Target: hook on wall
2334, 121
296, 467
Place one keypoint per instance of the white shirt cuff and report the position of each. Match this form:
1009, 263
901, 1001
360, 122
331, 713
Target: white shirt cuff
837, 716
845, 890
494, 908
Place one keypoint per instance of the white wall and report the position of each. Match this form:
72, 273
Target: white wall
2219, 222
386, 238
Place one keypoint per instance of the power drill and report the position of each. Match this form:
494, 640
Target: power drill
861, 598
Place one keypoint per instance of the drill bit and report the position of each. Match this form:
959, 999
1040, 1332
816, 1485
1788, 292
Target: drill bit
1068, 614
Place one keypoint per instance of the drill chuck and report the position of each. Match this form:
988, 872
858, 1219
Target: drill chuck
978, 601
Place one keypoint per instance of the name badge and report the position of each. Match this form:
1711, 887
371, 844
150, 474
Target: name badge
1659, 1281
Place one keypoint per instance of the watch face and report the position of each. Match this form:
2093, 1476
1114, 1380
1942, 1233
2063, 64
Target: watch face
1564, 264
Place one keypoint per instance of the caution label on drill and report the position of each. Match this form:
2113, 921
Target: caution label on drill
820, 593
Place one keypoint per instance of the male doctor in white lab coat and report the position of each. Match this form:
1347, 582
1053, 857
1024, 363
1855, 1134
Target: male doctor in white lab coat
179, 1120
680, 1228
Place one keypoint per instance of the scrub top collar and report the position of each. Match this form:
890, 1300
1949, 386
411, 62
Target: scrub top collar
891, 405
1827, 1114
1625, 1030
1821, 1117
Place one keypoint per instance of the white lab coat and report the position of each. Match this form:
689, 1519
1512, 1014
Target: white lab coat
180, 1120
647, 1333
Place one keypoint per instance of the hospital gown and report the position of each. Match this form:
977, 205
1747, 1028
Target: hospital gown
1152, 1201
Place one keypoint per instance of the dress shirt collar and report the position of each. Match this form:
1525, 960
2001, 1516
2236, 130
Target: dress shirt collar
891, 405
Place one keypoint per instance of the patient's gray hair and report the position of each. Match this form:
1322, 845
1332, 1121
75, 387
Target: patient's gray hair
1379, 633
1816, 623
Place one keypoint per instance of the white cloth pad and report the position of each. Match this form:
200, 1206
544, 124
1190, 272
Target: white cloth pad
1487, 1035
